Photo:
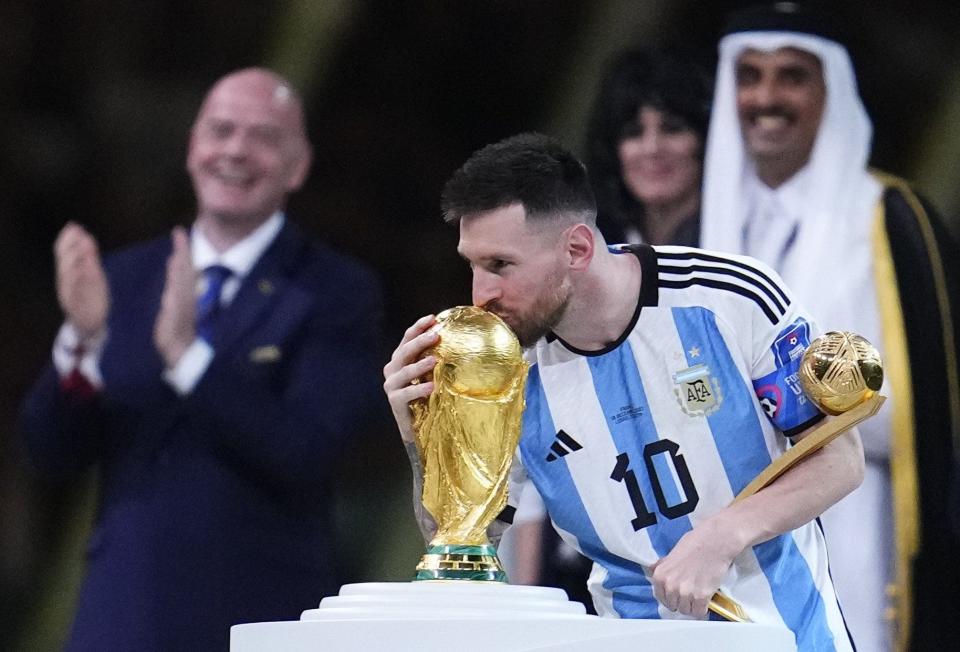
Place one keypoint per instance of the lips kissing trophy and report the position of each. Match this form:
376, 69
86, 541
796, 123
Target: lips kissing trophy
841, 372
466, 433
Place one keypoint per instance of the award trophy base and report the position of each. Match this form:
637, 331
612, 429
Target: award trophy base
457, 562
485, 616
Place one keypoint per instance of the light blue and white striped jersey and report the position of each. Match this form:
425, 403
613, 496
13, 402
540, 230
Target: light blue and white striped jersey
632, 446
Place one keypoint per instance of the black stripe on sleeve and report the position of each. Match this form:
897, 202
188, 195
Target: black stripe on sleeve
796, 430
699, 255
722, 285
675, 269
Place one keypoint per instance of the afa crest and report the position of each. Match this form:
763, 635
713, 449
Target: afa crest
697, 391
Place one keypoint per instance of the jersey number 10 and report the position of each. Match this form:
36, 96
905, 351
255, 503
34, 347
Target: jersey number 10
623, 473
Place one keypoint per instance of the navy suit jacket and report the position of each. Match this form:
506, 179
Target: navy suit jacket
214, 508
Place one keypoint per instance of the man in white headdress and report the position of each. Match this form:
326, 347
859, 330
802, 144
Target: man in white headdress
786, 181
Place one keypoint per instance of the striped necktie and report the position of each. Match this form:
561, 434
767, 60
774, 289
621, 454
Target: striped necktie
208, 304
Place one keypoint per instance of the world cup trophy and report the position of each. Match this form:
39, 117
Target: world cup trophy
841, 372
466, 434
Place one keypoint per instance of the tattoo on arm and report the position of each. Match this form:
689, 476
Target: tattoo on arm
428, 526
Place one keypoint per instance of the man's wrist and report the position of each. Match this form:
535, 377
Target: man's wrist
190, 367
730, 531
79, 341
173, 352
72, 353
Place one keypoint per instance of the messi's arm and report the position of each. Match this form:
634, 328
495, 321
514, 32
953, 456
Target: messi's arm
686, 579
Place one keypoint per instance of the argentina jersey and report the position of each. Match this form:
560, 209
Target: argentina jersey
632, 446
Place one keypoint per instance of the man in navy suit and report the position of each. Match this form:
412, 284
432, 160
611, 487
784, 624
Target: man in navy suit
215, 425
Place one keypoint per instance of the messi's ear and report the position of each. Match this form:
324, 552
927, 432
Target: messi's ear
580, 245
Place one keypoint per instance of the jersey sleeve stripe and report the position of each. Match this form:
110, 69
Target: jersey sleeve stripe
730, 287
711, 269
702, 256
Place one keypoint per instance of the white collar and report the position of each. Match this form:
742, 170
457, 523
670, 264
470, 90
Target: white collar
790, 195
241, 257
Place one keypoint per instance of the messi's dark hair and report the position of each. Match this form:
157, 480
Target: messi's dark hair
530, 169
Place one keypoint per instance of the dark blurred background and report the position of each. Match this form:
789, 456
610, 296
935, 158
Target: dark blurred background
96, 99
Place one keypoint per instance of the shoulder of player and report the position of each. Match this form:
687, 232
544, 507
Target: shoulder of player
725, 283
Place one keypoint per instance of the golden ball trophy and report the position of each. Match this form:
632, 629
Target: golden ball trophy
841, 372
466, 434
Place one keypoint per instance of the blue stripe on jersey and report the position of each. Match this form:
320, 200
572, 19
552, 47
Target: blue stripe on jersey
802, 609
739, 440
618, 385
665, 475
632, 592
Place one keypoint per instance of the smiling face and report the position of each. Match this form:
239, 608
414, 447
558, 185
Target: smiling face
519, 270
780, 100
660, 158
247, 149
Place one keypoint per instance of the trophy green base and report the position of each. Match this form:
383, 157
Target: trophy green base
456, 562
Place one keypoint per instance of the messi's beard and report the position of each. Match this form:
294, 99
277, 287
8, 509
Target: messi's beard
542, 317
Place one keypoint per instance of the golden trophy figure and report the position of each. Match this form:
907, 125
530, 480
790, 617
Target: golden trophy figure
466, 435
841, 372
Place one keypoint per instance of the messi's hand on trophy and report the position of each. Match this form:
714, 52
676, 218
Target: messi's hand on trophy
466, 435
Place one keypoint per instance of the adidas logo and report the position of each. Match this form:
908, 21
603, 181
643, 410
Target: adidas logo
562, 445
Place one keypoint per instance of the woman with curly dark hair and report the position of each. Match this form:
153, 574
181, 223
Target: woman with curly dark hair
644, 149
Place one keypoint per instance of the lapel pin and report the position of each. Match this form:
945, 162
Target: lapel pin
262, 354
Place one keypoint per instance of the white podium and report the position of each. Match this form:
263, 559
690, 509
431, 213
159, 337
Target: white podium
487, 617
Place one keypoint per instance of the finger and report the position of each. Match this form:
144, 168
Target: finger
76, 253
418, 327
401, 398
76, 272
409, 374
79, 267
171, 268
181, 255
73, 238
410, 351
658, 591
698, 608
671, 599
67, 237
180, 271
413, 349
180, 268
180, 241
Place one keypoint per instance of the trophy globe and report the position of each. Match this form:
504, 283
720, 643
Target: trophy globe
840, 370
